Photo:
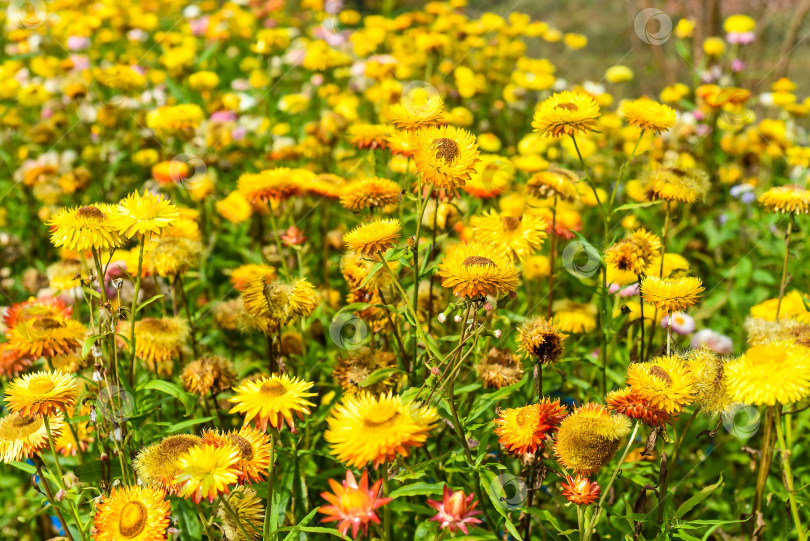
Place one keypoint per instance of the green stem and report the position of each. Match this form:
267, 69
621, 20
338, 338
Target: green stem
784, 267
61, 475
268, 527
277, 240
387, 508
410, 307
231, 513
133, 310
589, 528
52, 500
208, 531
662, 491
622, 169
794, 508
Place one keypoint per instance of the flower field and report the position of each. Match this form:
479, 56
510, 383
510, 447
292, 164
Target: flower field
311, 269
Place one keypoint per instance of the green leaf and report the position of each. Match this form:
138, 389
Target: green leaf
631, 206
704, 493
172, 390
24, 466
303, 523
148, 302
491, 487
377, 376
88, 344
188, 424
310, 529
417, 489
491, 398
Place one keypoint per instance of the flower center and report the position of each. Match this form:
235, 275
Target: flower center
478, 260
19, 421
45, 324
568, 106
244, 446
510, 223
132, 519
522, 417
380, 417
90, 211
173, 447
659, 372
445, 148
272, 389
154, 325
40, 386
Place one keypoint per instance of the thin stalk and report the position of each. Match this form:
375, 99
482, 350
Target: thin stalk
410, 307
552, 256
794, 509
765, 456
235, 518
662, 491
270, 481
387, 508
61, 475
208, 531
641, 358
664, 234
622, 169
277, 240
589, 528
669, 332
52, 500
132, 312
580, 524
784, 267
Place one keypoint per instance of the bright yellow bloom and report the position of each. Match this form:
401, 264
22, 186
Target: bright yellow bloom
366, 428
589, 437
474, 269
84, 228
771, 373
445, 156
524, 430
135, 513
158, 463
666, 382
566, 113
369, 193
522, 237
671, 294
574, 317
205, 471
42, 393
254, 449
648, 115
272, 400
21, 435
786, 199
145, 214
374, 237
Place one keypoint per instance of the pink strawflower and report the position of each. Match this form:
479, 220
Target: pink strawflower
681, 323
455, 511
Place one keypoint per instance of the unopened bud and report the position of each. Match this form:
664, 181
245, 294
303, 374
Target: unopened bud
60, 495
497, 333
457, 318
488, 306
118, 283
442, 318
435, 371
